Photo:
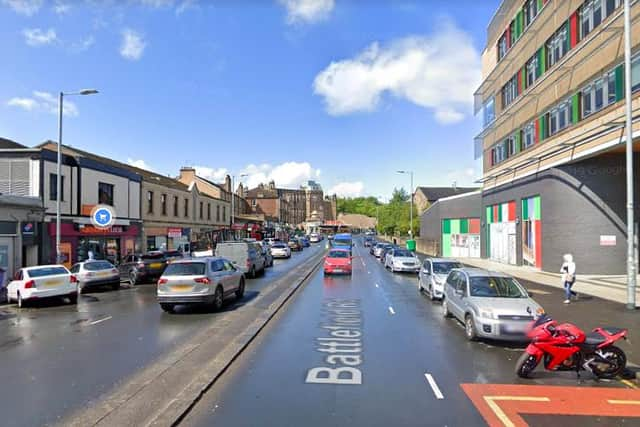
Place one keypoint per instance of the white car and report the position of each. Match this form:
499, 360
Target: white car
95, 273
402, 260
280, 250
314, 238
45, 281
434, 274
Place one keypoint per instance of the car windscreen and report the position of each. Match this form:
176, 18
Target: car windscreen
278, 246
445, 267
173, 254
402, 253
496, 287
342, 242
185, 269
47, 271
152, 256
98, 265
338, 254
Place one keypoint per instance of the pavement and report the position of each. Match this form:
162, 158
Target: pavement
370, 350
68, 358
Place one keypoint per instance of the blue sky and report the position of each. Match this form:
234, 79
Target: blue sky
342, 91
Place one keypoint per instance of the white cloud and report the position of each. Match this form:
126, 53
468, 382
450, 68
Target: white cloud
44, 102
438, 72
37, 37
139, 164
186, 5
133, 45
24, 7
215, 175
61, 7
307, 11
83, 44
347, 189
157, 3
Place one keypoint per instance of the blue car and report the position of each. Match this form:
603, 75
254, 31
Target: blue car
305, 242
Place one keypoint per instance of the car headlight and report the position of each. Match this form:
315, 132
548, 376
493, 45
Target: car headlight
488, 314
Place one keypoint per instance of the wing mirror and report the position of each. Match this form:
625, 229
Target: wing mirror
459, 292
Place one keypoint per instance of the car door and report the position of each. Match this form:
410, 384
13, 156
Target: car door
461, 295
452, 292
218, 275
232, 277
425, 273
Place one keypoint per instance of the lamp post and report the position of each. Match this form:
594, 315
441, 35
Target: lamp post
233, 196
58, 164
410, 173
631, 261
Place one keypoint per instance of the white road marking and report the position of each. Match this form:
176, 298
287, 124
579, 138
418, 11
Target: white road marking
434, 386
95, 322
391, 310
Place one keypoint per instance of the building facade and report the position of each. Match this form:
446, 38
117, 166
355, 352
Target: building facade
424, 197
552, 143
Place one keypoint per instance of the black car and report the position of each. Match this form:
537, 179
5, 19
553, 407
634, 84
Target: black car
368, 241
142, 267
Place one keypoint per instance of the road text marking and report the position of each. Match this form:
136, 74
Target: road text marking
434, 386
95, 322
391, 310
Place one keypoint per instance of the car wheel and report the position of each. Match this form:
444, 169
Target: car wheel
168, 308
20, 300
218, 298
240, 291
79, 290
431, 294
133, 278
470, 328
73, 299
445, 308
252, 273
115, 286
420, 289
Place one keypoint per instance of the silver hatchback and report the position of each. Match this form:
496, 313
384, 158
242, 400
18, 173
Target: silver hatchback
199, 281
490, 304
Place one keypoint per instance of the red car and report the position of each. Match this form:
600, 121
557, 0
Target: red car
338, 261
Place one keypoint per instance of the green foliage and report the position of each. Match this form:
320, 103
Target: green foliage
358, 205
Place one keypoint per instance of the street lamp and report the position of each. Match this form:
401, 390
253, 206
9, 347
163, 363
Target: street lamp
410, 173
58, 165
233, 196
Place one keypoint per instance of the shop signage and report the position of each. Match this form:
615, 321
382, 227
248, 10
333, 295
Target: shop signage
608, 240
174, 233
238, 226
89, 229
103, 216
28, 228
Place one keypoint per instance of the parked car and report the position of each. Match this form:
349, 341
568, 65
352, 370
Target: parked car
338, 261
368, 241
246, 256
207, 280
490, 304
385, 250
294, 244
45, 281
305, 242
330, 237
379, 248
94, 273
402, 260
433, 275
172, 255
270, 241
315, 237
138, 268
280, 250
266, 253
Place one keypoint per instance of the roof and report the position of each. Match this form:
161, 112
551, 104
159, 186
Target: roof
21, 201
7, 143
435, 193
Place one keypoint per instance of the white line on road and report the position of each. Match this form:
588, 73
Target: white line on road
391, 310
95, 322
434, 386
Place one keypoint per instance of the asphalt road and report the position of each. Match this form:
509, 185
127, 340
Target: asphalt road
58, 358
407, 366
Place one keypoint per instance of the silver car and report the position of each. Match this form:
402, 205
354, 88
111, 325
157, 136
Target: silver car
206, 280
95, 273
433, 275
379, 248
402, 260
490, 304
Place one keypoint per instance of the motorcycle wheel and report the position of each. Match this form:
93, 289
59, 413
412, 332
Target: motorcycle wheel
525, 365
617, 363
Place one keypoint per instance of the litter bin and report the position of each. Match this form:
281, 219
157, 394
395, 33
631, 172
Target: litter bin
411, 245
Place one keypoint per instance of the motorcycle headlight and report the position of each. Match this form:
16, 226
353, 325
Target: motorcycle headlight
488, 314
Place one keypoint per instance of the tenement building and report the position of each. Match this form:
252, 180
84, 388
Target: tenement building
552, 100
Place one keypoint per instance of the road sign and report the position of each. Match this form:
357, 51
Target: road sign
102, 216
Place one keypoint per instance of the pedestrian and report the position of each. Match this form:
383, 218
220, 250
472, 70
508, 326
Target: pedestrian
568, 271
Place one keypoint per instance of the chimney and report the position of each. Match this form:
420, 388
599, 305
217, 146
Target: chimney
227, 183
187, 175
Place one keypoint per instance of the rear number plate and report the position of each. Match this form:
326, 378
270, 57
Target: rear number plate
181, 287
51, 283
155, 265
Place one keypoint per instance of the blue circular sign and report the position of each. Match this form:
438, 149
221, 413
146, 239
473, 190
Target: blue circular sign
102, 216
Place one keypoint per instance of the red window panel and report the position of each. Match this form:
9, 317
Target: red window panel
538, 242
537, 132
512, 211
508, 36
573, 25
474, 225
496, 213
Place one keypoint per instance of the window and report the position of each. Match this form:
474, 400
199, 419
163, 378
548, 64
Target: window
163, 204
611, 6
201, 210
218, 213
509, 91
599, 94
511, 146
175, 206
530, 10
591, 14
208, 211
489, 111
559, 117
502, 46
186, 208
557, 46
253, 203
611, 87
529, 135
150, 202
224, 213
105, 193
499, 154
531, 67
53, 187
635, 74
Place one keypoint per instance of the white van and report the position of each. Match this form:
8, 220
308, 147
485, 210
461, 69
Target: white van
246, 256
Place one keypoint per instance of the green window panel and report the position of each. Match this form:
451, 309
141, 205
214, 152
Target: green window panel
537, 211
523, 79
499, 213
446, 226
575, 108
543, 63
446, 245
619, 82
540, 4
543, 127
518, 139
455, 226
525, 209
464, 226
489, 214
568, 39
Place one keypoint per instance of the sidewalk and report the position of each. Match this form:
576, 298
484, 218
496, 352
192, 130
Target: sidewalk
612, 288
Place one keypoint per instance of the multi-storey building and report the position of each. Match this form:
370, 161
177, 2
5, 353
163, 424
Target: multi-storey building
552, 142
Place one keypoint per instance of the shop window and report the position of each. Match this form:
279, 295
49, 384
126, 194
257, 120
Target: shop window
53, 187
150, 202
175, 206
163, 204
186, 208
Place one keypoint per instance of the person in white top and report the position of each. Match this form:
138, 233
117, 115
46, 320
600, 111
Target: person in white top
568, 271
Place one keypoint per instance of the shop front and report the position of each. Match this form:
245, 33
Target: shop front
79, 242
167, 238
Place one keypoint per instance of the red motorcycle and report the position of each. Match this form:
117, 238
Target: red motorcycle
566, 347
